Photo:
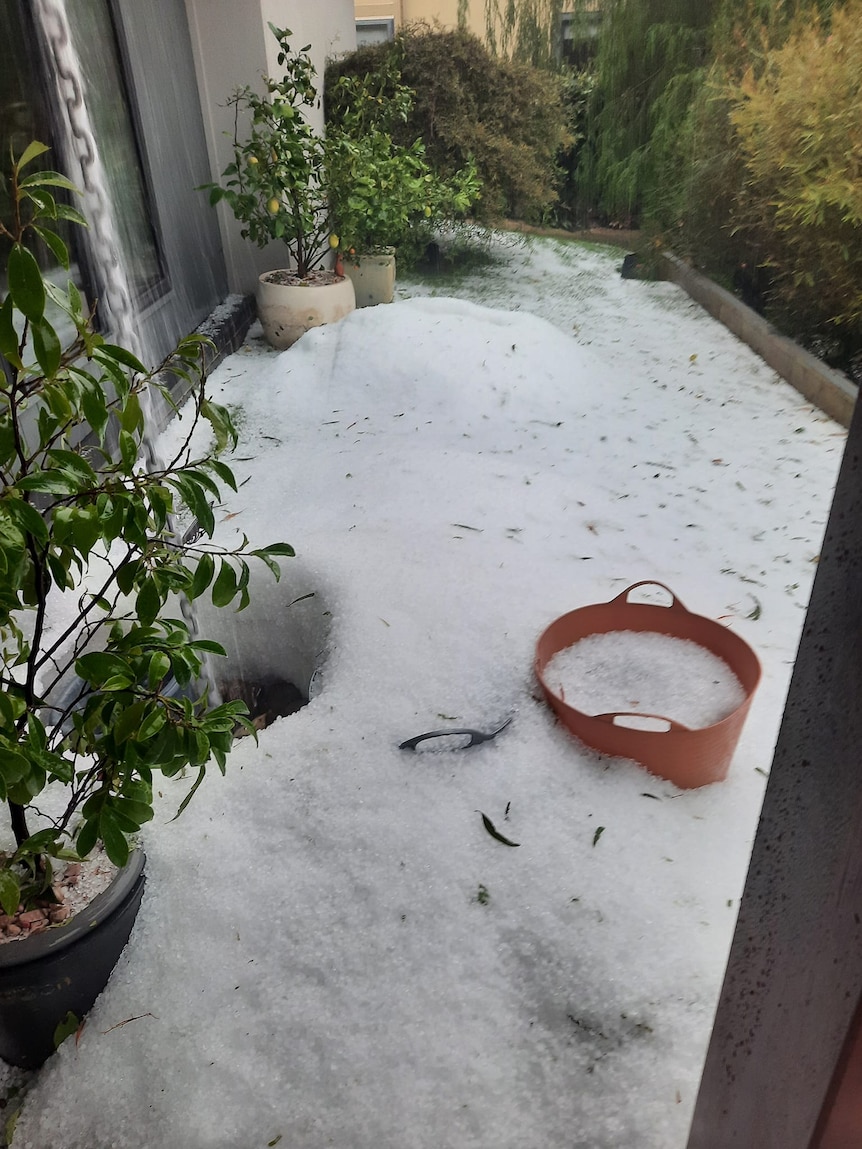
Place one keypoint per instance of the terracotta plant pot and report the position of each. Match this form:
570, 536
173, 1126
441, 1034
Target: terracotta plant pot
63, 970
687, 757
286, 311
373, 277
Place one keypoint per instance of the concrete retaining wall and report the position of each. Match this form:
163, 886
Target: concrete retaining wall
829, 390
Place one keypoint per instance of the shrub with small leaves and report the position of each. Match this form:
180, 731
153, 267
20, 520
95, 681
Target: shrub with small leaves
469, 108
378, 189
100, 703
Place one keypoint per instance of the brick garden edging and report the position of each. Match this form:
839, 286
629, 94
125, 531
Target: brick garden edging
827, 389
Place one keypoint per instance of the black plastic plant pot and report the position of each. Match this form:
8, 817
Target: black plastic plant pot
63, 970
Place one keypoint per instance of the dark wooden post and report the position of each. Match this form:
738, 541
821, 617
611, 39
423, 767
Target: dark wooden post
794, 978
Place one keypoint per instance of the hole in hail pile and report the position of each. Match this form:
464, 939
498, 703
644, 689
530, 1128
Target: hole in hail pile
275, 650
266, 700
275, 647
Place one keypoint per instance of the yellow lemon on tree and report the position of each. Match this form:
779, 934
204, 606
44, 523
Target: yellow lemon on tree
427, 212
333, 241
274, 207
253, 160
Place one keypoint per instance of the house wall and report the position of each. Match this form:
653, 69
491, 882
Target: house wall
233, 46
446, 12
408, 11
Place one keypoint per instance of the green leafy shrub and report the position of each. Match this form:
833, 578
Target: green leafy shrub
577, 90
505, 117
729, 131
799, 129
378, 190
700, 166
84, 522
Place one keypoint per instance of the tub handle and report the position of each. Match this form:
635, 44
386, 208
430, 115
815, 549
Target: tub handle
611, 720
674, 604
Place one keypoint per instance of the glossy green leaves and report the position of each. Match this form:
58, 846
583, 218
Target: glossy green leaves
113, 692
24, 280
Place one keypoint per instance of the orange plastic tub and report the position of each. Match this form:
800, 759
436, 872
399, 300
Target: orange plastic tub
687, 757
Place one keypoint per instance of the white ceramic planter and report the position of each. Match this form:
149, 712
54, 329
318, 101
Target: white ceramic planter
287, 311
373, 277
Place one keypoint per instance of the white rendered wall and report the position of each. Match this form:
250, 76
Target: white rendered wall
233, 46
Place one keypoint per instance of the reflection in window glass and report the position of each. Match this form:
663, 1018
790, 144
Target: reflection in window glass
110, 117
31, 109
24, 117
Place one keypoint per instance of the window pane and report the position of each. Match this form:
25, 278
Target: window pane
374, 32
24, 117
95, 44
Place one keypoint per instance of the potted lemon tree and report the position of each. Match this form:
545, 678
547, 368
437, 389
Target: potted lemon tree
276, 187
98, 666
378, 189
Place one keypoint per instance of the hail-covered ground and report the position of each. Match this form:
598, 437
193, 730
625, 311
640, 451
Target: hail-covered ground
333, 948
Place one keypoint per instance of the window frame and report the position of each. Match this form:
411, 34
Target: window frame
387, 23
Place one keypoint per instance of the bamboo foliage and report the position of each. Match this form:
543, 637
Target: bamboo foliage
798, 119
732, 130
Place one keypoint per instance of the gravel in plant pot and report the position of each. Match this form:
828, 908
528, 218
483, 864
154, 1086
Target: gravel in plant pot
276, 188
92, 574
